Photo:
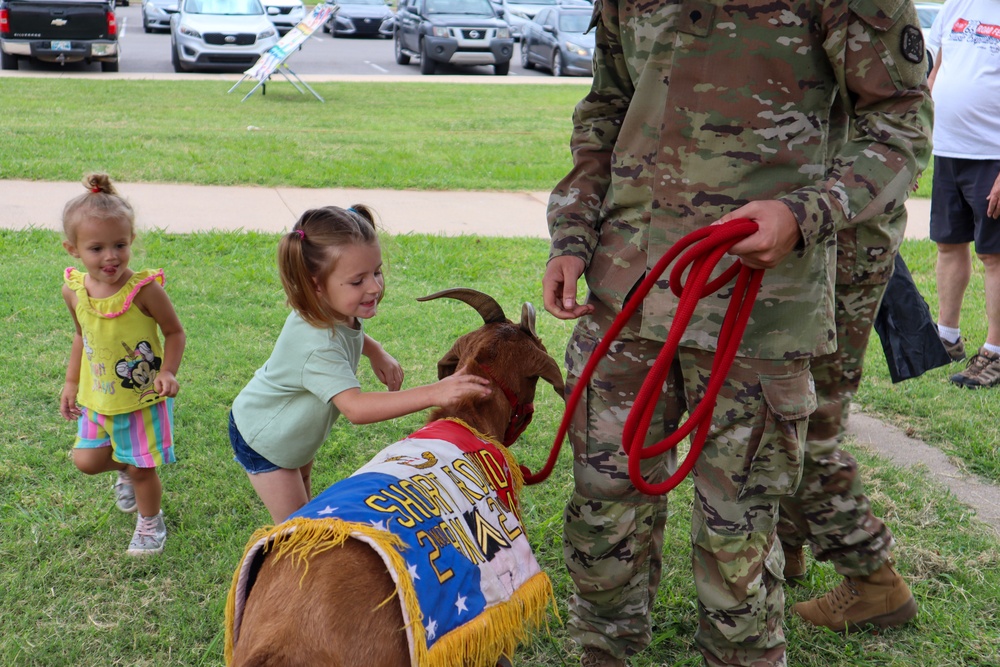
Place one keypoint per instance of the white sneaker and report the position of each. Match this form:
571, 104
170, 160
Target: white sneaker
124, 493
149, 536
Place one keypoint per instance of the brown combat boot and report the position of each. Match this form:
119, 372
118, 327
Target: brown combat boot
595, 657
881, 599
795, 563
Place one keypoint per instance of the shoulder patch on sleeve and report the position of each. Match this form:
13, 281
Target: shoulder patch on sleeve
911, 44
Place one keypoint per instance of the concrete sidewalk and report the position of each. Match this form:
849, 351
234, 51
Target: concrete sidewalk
189, 208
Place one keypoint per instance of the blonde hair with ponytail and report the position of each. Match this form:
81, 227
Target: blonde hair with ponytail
308, 254
101, 202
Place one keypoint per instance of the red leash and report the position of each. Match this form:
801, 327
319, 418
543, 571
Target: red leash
709, 246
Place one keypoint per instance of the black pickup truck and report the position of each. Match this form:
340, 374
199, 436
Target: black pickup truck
59, 31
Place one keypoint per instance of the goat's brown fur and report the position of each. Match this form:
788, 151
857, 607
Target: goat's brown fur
335, 616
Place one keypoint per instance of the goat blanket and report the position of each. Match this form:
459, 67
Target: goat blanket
440, 508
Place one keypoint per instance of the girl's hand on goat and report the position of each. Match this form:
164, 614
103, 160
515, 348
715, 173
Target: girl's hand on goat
460, 385
559, 287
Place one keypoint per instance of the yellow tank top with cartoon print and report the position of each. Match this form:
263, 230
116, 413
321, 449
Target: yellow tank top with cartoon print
122, 351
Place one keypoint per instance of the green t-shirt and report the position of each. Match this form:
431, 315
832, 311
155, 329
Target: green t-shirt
285, 413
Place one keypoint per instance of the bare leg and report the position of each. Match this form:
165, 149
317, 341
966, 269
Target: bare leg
283, 491
148, 490
95, 461
954, 268
992, 288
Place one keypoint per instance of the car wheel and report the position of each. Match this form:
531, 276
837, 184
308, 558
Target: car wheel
427, 65
556, 68
501, 69
401, 58
525, 62
145, 24
326, 27
107, 66
8, 61
175, 59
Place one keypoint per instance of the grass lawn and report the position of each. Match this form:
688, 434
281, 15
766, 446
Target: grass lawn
69, 595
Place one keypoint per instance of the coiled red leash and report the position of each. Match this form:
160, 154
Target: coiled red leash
707, 247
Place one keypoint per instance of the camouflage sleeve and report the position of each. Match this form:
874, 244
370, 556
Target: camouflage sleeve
575, 203
879, 60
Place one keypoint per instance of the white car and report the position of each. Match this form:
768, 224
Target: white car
517, 13
156, 14
284, 14
220, 35
926, 13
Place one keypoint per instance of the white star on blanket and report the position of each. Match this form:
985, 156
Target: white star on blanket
460, 604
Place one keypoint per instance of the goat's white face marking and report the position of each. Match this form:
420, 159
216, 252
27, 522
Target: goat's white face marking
354, 286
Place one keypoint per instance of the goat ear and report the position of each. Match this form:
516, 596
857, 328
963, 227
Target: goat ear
549, 371
449, 362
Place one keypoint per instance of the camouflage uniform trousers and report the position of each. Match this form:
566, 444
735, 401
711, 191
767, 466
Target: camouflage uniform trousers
613, 535
830, 509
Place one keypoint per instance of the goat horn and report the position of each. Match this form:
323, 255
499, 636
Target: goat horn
484, 304
528, 318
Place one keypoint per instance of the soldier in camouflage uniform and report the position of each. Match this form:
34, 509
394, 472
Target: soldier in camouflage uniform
702, 111
830, 508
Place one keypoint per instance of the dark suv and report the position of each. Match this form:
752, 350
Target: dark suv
460, 32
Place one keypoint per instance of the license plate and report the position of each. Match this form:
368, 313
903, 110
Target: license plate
62, 46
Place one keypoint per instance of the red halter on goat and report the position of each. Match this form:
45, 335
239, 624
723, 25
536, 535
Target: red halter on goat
520, 414
709, 245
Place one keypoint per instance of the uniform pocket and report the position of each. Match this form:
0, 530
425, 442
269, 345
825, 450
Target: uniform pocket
774, 459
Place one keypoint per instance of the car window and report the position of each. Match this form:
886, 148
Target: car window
363, 2
227, 7
574, 22
926, 16
469, 7
541, 16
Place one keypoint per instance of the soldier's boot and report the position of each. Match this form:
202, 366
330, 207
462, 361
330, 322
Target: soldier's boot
595, 657
795, 563
881, 599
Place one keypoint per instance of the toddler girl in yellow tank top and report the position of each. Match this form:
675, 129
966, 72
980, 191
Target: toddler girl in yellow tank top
120, 381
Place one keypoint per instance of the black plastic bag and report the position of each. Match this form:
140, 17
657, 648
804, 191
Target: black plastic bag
908, 332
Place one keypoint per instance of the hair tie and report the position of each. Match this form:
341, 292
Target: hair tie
95, 189
352, 210
302, 234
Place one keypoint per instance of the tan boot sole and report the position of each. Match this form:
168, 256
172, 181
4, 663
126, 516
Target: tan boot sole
893, 619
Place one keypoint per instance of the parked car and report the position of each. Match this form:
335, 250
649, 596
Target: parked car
360, 18
518, 13
555, 40
220, 35
156, 14
460, 32
284, 14
926, 13
59, 31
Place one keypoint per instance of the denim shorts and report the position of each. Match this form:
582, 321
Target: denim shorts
251, 461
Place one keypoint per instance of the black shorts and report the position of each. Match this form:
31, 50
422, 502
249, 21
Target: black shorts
958, 203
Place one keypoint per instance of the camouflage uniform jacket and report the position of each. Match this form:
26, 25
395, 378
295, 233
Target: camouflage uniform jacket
697, 108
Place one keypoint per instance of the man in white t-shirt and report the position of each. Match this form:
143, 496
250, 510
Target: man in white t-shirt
965, 202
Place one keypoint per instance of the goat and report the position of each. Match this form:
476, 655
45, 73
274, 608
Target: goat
333, 605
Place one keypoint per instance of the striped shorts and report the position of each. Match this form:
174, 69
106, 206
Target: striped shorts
144, 438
